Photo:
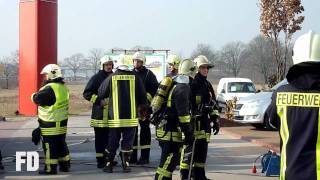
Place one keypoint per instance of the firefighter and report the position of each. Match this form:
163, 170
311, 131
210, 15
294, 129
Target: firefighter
151, 85
53, 104
177, 118
98, 120
126, 98
205, 117
295, 111
173, 62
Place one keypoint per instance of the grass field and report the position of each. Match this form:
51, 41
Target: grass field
9, 101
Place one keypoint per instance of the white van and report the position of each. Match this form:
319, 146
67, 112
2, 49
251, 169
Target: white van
228, 88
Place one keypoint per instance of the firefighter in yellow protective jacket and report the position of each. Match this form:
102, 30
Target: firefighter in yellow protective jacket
176, 118
126, 98
98, 117
53, 104
205, 117
295, 110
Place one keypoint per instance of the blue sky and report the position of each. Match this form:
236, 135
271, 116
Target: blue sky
178, 25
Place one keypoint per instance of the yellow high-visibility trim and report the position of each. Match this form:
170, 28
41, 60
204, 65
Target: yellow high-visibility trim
169, 136
145, 147
124, 77
198, 100
182, 164
284, 132
93, 98
47, 157
53, 131
142, 147
106, 110
132, 99
170, 95
126, 150
115, 102
214, 112
184, 119
163, 172
116, 123
318, 147
65, 158
98, 123
99, 155
202, 135
149, 97
200, 165
298, 99
166, 164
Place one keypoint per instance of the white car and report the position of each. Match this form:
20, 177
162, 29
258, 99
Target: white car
252, 109
229, 88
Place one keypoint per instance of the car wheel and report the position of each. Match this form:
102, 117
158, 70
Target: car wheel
258, 126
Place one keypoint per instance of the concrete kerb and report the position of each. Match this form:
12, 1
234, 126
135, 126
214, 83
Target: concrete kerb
270, 146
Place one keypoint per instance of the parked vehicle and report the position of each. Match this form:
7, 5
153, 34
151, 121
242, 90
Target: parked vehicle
229, 88
252, 109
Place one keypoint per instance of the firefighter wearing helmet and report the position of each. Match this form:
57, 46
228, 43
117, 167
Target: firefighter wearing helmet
127, 101
295, 111
53, 104
177, 115
205, 109
151, 85
173, 62
99, 113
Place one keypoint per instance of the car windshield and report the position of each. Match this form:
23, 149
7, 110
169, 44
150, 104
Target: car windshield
241, 87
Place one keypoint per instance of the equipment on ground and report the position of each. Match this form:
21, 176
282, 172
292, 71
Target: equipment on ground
270, 163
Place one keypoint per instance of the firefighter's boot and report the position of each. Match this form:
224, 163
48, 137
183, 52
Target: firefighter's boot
64, 166
109, 167
51, 170
125, 161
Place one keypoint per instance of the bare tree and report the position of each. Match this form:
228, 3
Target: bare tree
75, 62
206, 50
233, 53
9, 69
94, 57
280, 16
260, 55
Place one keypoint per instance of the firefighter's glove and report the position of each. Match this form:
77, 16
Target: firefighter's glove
215, 127
144, 112
36, 136
103, 103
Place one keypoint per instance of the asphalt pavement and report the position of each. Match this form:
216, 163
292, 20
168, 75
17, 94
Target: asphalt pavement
229, 157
